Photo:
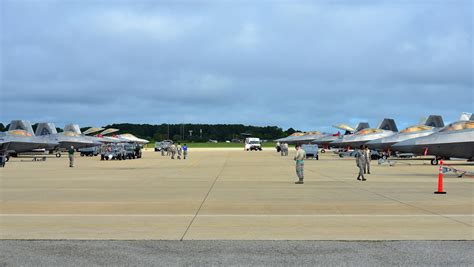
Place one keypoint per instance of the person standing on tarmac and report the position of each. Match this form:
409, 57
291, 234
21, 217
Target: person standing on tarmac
172, 149
179, 150
282, 149
185, 151
368, 156
70, 153
360, 162
162, 151
299, 158
286, 149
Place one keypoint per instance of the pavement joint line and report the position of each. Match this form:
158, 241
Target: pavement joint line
205, 198
233, 215
394, 199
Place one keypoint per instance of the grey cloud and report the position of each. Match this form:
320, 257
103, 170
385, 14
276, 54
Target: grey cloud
299, 65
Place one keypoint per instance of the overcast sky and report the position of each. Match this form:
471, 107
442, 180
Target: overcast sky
285, 63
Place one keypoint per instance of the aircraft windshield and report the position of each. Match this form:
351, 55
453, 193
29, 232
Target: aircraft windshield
297, 134
312, 133
417, 128
68, 133
254, 142
458, 126
368, 131
20, 133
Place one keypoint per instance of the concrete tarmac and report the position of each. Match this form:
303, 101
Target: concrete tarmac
231, 195
236, 253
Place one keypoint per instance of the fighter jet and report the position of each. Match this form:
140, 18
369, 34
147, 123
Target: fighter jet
326, 141
130, 138
431, 125
70, 137
453, 141
301, 138
101, 137
290, 137
20, 138
386, 128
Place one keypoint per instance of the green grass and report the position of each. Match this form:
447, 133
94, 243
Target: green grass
217, 145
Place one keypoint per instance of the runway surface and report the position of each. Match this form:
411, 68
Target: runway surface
205, 253
231, 195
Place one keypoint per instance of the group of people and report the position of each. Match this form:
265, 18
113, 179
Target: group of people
176, 151
362, 155
282, 148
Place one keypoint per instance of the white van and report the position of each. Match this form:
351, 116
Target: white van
253, 143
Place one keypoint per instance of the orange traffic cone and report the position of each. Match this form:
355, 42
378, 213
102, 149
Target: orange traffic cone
440, 179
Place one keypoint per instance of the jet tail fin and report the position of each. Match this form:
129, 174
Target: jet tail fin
45, 128
388, 124
21, 125
72, 128
434, 121
362, 125
465, 116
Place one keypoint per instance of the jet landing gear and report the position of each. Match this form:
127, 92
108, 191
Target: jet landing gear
436, 160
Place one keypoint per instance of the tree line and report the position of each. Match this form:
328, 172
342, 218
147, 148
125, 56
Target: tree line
201, 132
193, 132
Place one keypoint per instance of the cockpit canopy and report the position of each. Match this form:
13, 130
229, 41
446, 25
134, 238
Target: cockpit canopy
19, 133
458, 126
417, 128
368, 131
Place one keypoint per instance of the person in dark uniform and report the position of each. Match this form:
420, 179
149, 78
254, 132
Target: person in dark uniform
70, 153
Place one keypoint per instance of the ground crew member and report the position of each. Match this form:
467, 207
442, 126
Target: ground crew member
179, 149
185, 151
137, 150
368, 157
172, 149
299, 158
278, 147
282, 149
71, 156
286, 149
162, 150
360, 162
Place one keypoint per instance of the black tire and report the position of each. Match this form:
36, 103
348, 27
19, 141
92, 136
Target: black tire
384, 157
323, 151
7, 158
82, 154
434, 162
58, 155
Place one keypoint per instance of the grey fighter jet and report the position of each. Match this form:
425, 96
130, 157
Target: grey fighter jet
431, 125
386, 128
20, 138
326, 141
453, 141
130, 138
70, 137
300, 138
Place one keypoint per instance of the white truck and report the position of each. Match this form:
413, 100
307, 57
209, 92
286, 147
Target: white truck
253, 143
